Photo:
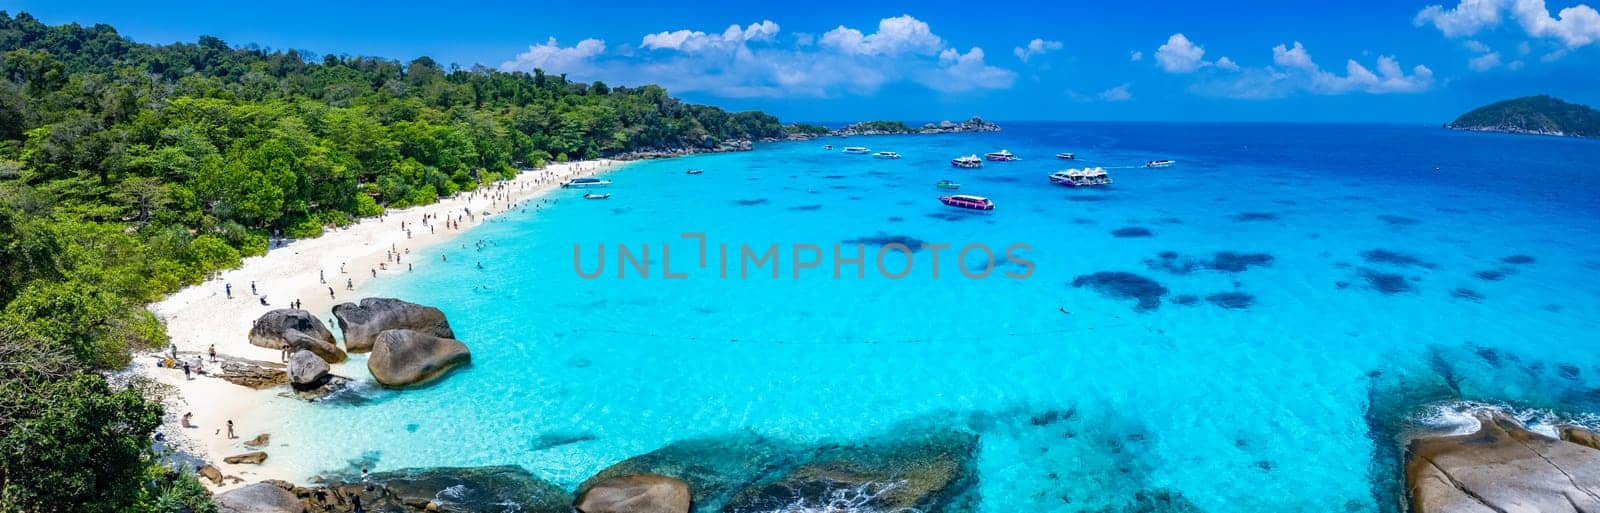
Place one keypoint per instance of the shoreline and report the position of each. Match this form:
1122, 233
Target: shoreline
200, 316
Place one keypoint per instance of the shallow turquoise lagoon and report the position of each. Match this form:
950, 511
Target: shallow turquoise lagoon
1239, 379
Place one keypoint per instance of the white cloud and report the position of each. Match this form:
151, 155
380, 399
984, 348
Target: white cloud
1036, 47
696, 41
752, 61
895, 36
1135, 56
1484, 62
1465, 19
959, 72
1179, 55
1296, 57
552, 56
1227, 64
1117, 94
1573, 27
1294, 71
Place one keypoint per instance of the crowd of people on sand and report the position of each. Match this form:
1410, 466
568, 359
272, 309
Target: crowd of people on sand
499, 196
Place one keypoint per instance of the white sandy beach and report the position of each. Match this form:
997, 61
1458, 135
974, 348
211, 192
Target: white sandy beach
201, 316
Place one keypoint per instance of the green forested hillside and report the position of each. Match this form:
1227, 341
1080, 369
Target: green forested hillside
128, 170
1532, 115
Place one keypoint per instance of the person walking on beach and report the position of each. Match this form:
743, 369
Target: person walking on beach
252, 287
230, 430
330, 292
321, 276
283, 352
227, 288
213, 351
348, 284
186, 372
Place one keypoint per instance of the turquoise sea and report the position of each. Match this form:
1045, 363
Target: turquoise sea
1215, 329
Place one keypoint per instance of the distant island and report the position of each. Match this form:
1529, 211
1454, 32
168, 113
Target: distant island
1537, 115
803, 131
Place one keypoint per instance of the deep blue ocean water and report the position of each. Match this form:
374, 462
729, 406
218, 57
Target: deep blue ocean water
1227, 355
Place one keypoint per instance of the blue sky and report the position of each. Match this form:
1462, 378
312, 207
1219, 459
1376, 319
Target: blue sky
1421, 61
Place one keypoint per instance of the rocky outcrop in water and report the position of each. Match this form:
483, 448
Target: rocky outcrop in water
637, 493
446, 489
258, 498
714, 468
362, 323
1581, 436
1501, 468
299, 330
307, 370
405, 358
927, 473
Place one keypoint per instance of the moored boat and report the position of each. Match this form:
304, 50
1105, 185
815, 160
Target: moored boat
967, 162
1000, 156
967, 201
1066, 156
857, 150
1160, 163
596, 195
579, 183
886, 155
947, 184
1081, 177
694, 171
827, 146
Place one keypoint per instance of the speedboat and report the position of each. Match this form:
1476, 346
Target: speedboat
886, 155
1000, 156
579, 183
857, 150
947, 184
1081, 177
827, 146
1066, 156
594, 195
967, 201
967, 162
1160, 163
694, 171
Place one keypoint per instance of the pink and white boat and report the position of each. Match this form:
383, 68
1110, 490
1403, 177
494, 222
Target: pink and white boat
967, 201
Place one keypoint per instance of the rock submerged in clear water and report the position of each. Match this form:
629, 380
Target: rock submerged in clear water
361, 323
445, 489
714, 468
934, 472
1124, 285
924, 470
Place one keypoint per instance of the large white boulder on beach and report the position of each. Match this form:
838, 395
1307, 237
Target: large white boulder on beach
258, 498
363, 322
297, 328
307, 370
405, 358
1503, 467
